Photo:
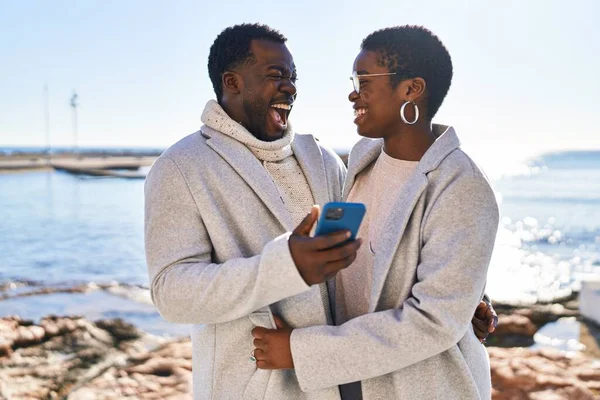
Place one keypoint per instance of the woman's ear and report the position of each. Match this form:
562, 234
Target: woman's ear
415, 89
411, 89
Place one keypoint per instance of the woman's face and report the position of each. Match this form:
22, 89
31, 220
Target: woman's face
377, 107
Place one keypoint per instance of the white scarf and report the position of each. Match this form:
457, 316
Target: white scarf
216, 118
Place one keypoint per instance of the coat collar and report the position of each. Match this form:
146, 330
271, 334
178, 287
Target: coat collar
366, 151
250, 169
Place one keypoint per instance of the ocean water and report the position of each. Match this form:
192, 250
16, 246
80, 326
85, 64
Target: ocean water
56, 227
60, 229
549, 238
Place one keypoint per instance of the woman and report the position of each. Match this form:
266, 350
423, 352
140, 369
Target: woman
403, 309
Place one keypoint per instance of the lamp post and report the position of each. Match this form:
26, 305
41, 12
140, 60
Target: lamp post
47, 112
74, 104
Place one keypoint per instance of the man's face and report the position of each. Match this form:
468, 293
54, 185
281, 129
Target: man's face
269, 90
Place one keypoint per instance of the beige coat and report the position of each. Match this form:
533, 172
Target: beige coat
429, 274
211, 215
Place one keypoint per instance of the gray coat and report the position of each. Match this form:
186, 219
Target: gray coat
211, 215
429, 274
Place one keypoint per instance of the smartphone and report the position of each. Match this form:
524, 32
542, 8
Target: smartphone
341, 216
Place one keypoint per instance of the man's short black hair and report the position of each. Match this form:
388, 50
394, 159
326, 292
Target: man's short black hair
232, 49
414, 51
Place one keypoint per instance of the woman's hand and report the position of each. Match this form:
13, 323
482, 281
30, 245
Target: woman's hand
485, 320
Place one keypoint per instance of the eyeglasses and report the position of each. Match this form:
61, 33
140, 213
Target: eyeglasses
355, 78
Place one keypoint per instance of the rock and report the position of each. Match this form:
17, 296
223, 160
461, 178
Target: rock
28, 335
28, 289
517, 326
513, 331
119, 329
57, 326
5, 348
50, 359
15, 332
8, 332
542, 314
13, 285
542, 374
164, 373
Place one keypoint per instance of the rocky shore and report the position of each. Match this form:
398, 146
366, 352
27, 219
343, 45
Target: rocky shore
77, 358
70, 357
519, 372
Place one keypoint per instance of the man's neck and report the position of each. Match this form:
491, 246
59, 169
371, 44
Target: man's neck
234, 114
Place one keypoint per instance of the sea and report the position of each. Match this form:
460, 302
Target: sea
59, 230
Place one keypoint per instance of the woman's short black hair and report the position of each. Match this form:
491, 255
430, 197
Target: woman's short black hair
414, 51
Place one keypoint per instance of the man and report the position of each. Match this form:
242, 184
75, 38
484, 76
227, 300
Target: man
221, 206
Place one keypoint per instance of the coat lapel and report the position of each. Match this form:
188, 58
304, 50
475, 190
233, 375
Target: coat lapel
409, 195
310, 159
249, 168
362, 155
446, 142
392, 232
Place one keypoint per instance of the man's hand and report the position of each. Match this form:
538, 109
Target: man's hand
315, 258
484, 321
272, 347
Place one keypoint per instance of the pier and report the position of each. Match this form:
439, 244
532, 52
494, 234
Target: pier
119, 166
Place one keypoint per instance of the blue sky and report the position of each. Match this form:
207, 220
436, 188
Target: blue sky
526, 72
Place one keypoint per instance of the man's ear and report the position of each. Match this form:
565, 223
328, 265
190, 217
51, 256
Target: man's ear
232, 82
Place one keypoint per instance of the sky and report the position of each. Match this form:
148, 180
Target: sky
525, 72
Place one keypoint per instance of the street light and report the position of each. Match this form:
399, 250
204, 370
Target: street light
74, 104
47, 115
